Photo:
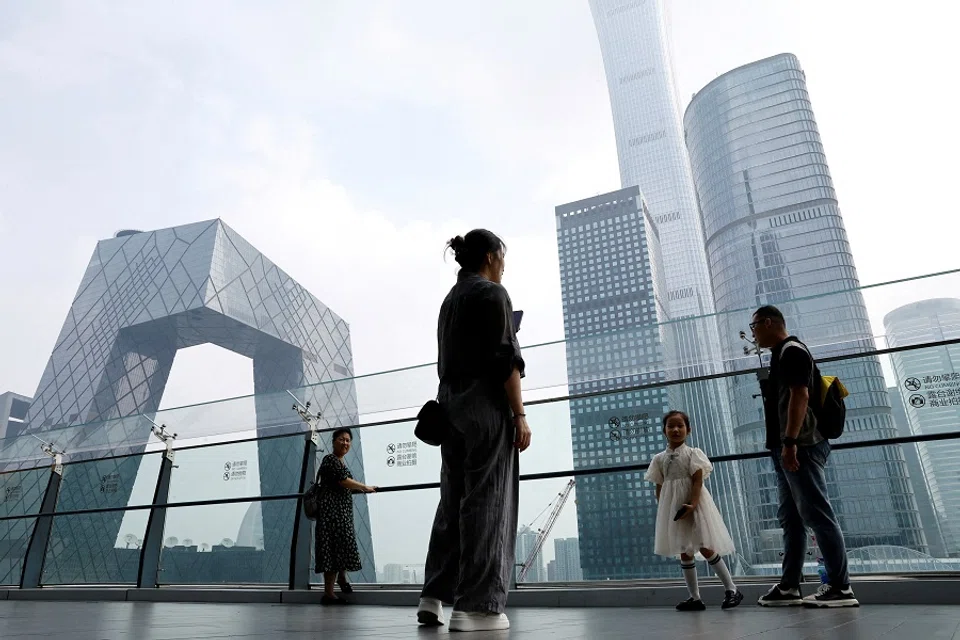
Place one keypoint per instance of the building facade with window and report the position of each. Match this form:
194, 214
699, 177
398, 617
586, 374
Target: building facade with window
612, 288
928, 382
634, 39
774, 235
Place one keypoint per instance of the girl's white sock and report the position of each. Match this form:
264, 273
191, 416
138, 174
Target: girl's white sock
720, 568
690, 577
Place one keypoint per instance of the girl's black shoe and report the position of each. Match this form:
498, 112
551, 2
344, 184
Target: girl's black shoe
345, 586
691, 605
732, 599
334, 600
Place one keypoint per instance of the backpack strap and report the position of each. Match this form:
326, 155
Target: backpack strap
795, 343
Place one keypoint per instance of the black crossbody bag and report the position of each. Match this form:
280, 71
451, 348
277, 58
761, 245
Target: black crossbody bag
433, 424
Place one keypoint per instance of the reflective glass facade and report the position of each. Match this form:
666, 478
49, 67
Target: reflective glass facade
634, 39
612, 288
143, 297
13, 411
774, 235
931, 400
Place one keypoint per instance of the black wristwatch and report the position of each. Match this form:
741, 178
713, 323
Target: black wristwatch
789, 442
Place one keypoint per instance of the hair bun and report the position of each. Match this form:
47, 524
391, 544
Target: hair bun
457, 243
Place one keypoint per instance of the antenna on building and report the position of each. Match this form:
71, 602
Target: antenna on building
753, 348
312, 420
52, 452
160, 431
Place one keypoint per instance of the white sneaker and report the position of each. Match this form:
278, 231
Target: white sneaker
478, 621
430, 612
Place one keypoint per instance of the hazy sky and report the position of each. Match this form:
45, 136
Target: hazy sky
349, 140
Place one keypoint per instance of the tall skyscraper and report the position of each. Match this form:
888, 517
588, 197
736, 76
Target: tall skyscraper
774, 235
612, 287
526, 542
635, 42
931, 396
929, 519
567, 554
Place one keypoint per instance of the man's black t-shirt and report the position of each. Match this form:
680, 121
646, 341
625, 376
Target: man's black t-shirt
790, 366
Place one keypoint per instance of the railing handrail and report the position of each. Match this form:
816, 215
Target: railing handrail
564, 398
566, 473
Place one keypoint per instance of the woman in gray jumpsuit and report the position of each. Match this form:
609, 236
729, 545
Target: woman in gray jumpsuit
471, 555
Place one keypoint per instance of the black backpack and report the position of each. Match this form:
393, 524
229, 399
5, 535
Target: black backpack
827, 395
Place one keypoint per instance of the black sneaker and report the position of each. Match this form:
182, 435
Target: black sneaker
780, 596
830, 596
691, 604
732, 599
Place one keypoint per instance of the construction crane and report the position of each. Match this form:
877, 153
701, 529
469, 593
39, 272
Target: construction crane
545, 531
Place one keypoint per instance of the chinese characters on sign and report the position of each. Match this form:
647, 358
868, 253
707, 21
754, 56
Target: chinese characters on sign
110, 483
236, 470
940, 390
402, 454
12, 493
630, 426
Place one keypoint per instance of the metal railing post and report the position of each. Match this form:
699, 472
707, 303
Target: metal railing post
300, 569
40, 538
149, 569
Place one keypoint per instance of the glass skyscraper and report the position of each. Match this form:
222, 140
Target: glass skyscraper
635, 42
144, 296
931, 399
612, 288
773, 235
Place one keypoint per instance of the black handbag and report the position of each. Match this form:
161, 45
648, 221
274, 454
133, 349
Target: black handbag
311, 500
433, 425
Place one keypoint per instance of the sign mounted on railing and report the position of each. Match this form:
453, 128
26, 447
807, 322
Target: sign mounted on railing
402, 454
235, 470
939, 390
629, 426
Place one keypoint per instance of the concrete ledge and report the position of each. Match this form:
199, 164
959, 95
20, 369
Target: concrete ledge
67, 594
222, 596
906, 591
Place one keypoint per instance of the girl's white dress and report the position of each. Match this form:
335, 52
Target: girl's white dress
674, 469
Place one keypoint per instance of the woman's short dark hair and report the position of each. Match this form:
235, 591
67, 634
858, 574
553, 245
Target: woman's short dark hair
339, 432
675, 412
470, 251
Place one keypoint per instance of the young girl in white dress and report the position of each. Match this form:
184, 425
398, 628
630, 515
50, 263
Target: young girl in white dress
687, 518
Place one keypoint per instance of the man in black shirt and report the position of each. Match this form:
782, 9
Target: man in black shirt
799, 456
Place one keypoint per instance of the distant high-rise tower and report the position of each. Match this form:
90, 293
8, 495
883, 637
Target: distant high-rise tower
774, 235
612, 288
567, 551
635, 42
526, 542
929, 519
932, 399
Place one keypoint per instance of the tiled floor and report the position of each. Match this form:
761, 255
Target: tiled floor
160, 621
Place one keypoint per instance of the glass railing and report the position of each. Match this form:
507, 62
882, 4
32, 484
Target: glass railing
226, 511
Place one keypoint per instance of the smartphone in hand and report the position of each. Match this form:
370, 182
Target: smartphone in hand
680, 513
517, 317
